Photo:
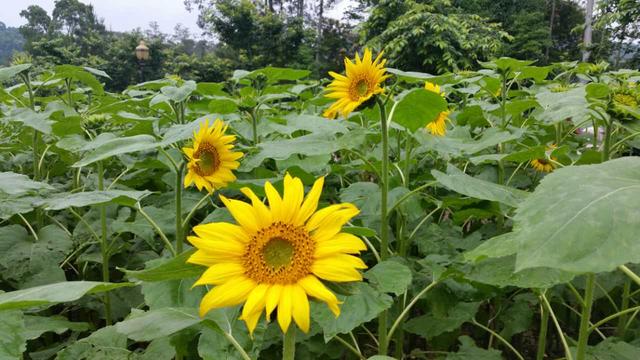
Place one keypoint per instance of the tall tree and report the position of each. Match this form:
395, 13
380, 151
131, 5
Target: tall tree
588, 31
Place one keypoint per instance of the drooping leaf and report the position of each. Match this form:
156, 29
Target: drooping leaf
557, 107
179, 94
7, 73
275, 74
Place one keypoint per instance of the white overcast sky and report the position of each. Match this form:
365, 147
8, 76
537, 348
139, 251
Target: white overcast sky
124, 15
118, 15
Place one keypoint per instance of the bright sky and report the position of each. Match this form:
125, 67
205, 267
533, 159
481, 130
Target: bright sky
124, 15
118, 15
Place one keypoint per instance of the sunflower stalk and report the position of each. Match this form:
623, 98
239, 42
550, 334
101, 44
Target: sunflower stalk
289, 344
384, 228
104, 245
178, 191
583, 335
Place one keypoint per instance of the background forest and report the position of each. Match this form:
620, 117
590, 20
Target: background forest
429, 36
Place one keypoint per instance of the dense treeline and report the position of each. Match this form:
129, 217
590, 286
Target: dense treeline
430, 35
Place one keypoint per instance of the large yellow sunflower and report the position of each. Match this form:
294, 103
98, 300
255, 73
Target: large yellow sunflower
275, 256
211, 159
437, 127
545, 164
362, 81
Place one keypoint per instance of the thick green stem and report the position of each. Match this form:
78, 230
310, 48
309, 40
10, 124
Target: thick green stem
289, 344
384, 226
179, 227
583, 336
542, 335
254, 125
622, 320
606, 146
104, 245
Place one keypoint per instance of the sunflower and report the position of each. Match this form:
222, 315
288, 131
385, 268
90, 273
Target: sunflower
361, 82
211, 159
277, 255
544, 164
437, 127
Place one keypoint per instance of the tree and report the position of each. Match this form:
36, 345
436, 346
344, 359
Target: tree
619, 21
434, 37
10, 42
37, 26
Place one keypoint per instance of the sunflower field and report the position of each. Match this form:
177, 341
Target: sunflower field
376, 214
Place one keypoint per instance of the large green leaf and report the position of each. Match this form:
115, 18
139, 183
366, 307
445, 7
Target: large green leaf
36, 120
501, 272
275, 74
169, 269
118, 146
390, 276
434, 324
14, 184
417, 108
87, 198
468, 350
357, 309
7, 73
80, 74
459, 142
308, 145
13, 340
179, 94
582, 218
158, 323
52, 294
464, 184
38, 325
104, 344
557, 107
27, 262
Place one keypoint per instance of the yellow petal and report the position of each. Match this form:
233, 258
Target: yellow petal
284, 307
275, 201
220, 273
255, 301
201, 257
300, 308
263, 215
310, 203
341, 243
319, 217
252, 321
316, 289
338, 268
231, 293
333, 222
272, 299
292, 199
223, 231
242, 212
218, 247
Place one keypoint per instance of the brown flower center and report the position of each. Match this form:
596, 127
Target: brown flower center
279, 254
208, 160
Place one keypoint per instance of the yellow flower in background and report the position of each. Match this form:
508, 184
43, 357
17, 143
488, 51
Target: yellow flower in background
275, 256
362, 81
429, 86
437, 127
544, 164
211, 159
